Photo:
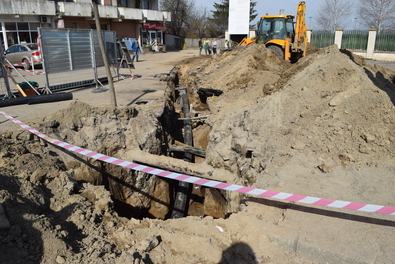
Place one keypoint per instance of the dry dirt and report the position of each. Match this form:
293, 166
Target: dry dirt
322, 127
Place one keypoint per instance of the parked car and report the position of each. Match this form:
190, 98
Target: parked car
22, 53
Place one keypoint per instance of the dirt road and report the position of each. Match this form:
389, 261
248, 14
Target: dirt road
128, 91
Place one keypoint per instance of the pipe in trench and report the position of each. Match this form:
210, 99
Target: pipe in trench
48, 98
181, 200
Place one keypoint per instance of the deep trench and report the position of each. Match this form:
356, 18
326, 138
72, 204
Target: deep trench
185, 199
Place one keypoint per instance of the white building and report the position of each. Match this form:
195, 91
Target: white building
19, 19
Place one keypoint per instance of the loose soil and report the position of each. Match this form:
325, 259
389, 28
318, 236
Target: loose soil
322, 127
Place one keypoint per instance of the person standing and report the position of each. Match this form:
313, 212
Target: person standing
207, 45
135, 49
200, 46
214, 45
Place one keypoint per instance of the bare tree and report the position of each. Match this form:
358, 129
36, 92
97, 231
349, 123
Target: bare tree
220, 16
333, 14
198, 23
180, 10
377, 14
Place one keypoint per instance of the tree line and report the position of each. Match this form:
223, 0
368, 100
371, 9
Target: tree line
371, 14
192, 21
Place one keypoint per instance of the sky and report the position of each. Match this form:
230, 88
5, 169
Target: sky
289, 6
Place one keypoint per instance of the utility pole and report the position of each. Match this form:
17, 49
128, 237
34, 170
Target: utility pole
103, 52
310, 22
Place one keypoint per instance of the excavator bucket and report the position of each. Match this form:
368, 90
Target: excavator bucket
247, 41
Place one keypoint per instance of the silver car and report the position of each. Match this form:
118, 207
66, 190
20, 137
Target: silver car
21, 54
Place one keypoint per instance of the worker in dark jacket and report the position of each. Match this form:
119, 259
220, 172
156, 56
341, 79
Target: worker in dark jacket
135, 49
200, 46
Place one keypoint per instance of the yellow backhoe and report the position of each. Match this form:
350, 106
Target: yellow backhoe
286, 37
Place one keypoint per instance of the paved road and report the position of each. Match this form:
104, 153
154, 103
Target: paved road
387, 64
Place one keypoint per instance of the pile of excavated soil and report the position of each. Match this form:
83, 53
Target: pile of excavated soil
322, 127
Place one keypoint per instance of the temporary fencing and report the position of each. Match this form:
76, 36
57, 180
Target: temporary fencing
379, 209
5, 89
72, 57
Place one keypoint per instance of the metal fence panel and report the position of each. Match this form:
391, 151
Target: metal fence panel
110, 46
110, 42
81, 49
72, 57
385, 41
322, 38
98, 57
55, 50
355, 40
4, 85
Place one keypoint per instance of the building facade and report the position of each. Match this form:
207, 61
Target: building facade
20, 19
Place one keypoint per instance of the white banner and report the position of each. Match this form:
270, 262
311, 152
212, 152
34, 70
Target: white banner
239, 17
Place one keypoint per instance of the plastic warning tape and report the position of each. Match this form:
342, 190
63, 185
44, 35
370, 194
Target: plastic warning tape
379, 209
32, 71
22, 63
28, 62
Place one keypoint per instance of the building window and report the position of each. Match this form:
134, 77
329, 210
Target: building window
1, 40
123, 3
102, 26
145, 5
21, 32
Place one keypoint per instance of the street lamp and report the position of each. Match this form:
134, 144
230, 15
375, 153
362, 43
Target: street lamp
355, 22
310, 21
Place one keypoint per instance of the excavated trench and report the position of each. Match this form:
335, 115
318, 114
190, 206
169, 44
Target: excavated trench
152, 135
137, 194
155, 138
188, 139
185, 136
155, 135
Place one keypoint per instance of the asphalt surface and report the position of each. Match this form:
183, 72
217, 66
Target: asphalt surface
387, 64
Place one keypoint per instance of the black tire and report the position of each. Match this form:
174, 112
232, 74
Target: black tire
277, 50
26, 66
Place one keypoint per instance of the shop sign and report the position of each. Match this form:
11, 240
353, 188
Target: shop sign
153, 26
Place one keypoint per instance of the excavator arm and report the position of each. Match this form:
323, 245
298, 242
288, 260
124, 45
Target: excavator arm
247, 41
300, 41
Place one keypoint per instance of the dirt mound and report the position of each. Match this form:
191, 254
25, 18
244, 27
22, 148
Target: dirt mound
331, 118
321, 127
311, 49
239, 68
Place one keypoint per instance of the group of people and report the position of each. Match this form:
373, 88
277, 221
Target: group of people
208, 46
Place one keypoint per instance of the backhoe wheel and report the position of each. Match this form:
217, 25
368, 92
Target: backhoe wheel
277, 50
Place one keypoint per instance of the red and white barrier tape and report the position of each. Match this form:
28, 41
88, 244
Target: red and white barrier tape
24, 75
32, 71
379, 209
22, 63
25, 70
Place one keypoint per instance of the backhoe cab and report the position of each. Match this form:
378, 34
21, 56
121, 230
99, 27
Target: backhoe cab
288, 39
